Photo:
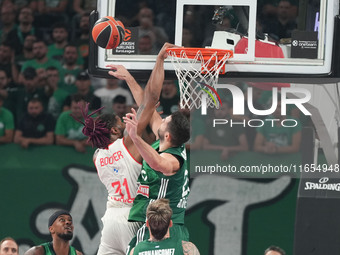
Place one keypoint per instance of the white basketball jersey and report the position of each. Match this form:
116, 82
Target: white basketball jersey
118, 171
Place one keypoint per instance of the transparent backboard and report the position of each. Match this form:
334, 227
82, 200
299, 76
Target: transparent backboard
269, 38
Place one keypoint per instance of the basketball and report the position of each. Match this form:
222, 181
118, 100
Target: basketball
108, 32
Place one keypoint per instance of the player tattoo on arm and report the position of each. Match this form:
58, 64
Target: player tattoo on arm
140, 110
189, 248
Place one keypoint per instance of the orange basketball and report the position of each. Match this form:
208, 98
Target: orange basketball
108, 33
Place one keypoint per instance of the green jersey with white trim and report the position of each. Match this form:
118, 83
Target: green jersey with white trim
153, 185
170, 245
50, 251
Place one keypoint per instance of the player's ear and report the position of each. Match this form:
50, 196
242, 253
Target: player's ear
115, 131
51, 229
170, 224
147, 223
167, 136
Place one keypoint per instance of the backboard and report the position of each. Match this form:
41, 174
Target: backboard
288, 38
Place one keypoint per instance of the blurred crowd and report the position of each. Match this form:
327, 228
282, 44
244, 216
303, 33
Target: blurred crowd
44, 57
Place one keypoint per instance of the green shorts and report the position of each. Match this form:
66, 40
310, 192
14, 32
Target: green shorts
178, 230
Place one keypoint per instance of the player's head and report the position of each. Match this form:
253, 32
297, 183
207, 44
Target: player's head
175, 128
274, 250
114, 125
60, 225
158, 218
8, 246
101, 130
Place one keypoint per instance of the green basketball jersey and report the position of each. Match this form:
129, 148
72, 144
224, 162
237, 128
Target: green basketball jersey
49, 249
170, 245
153, 185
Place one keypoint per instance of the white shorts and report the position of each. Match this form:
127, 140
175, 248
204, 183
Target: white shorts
117, 232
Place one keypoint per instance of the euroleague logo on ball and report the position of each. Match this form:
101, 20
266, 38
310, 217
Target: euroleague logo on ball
127, 35
108, 32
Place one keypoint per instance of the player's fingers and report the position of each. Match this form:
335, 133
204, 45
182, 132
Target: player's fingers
113, 73
128, 119
115, 67
129, 115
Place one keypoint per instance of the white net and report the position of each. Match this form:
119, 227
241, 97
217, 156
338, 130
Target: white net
195, 74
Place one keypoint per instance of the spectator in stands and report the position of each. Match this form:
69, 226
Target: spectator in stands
283, 25
7, 63
226, 139
60, 39
50, 12
197, 129
35, 127
169, 98
41, 61
82, 40
146, 25
8, 246
187, 37
7, 21
24, 94
119, 106
68, 131
56, 93
18, 35
273, 138
109, 92
8, 92
84, 6
27, 51
6, 124
274, 250
146, 44
4, 84
71, 69
83, 84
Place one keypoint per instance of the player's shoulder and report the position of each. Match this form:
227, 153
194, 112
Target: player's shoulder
79, 252
35, 250
189, 248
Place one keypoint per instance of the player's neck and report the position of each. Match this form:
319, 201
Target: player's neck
153, 239
61, 246
164, 145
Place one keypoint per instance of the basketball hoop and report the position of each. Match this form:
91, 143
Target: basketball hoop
197, 70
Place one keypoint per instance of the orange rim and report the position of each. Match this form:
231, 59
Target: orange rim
206, 52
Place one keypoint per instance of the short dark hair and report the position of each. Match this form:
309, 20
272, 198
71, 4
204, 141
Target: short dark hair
159, 215
77, 98
72, 45
179, 129
40, 40
119, 99
36, 100
275, 248
60, 25
52, 68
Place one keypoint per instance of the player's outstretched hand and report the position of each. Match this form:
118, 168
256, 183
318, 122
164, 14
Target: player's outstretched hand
131, 122
163, 53
119, 71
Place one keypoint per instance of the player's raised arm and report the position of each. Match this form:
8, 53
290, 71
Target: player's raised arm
165, 162
121, 73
